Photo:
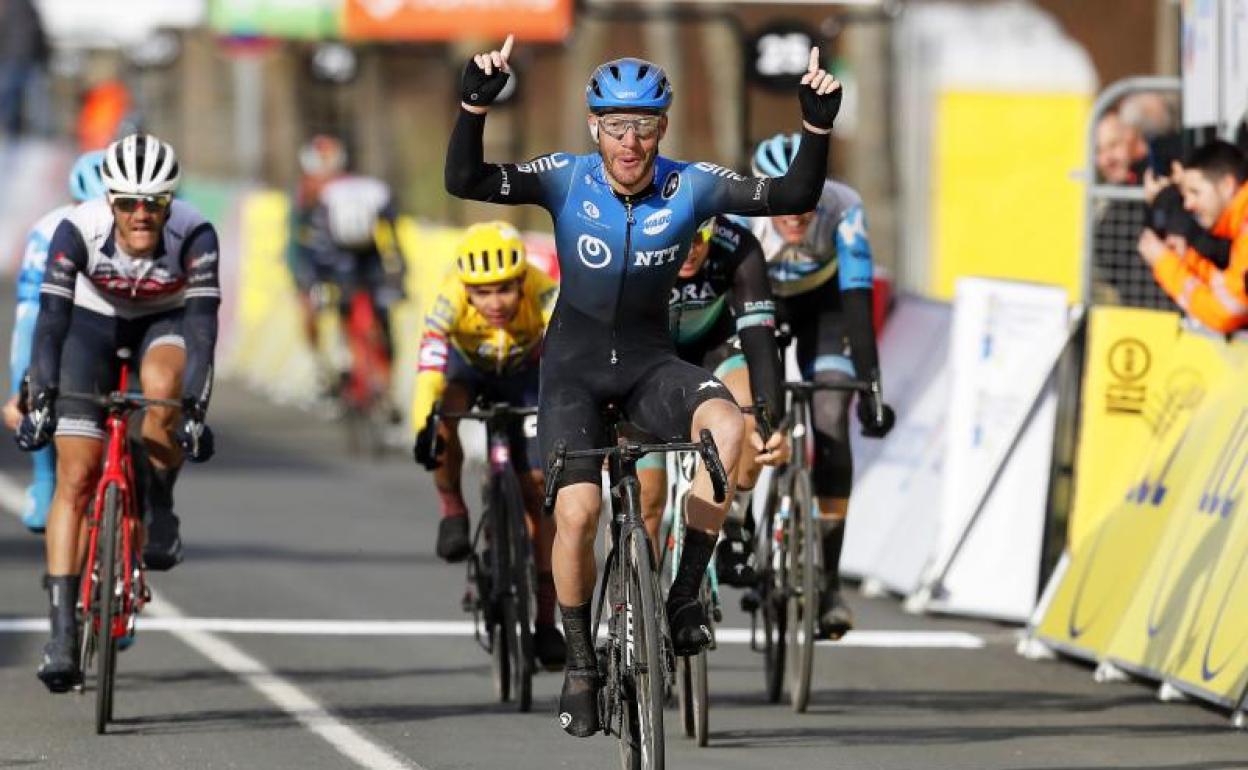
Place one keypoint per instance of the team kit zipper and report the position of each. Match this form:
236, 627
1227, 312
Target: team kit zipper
619, 296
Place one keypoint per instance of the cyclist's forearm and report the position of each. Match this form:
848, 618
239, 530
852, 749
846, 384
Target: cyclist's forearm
467, 175
22, 344
798, 190
860, 317
430, 385
766, 375
199, 331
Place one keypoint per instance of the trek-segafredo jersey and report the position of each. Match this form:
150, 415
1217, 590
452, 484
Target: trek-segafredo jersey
88, 266
836, 244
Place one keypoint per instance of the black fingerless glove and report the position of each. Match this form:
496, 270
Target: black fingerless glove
819, 111
479, 89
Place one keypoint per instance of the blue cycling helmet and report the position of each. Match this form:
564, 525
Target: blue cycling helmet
629, 84
773, 156
85, 182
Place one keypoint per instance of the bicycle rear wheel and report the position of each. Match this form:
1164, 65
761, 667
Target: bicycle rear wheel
641, 740
771, 602
804, 590
110, 563
519, 616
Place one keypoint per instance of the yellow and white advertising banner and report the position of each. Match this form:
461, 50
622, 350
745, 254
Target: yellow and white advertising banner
1006, 339
1107, 564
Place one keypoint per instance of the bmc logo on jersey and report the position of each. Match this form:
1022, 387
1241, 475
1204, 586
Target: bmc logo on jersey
590, 209
656, 258
594, 252
657, 222
711, 168
545, 163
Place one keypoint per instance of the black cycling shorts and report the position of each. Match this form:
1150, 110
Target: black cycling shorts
657, 392
517, 388
89, 362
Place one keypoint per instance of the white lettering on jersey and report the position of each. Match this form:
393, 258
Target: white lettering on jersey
719, 171
594, 252
543, 164
657, 222
656, 258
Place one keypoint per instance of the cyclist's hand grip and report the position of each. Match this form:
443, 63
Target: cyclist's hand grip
710, 456
762, 419
554, 470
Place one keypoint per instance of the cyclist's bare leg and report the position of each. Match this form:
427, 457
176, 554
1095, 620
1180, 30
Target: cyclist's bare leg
738, 383
723, 418
653, 501
77, 472
161, 375
311, 330
446, 478
572, 557
542, 535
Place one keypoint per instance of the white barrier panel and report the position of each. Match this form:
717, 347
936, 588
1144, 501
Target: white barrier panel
894, 510
1006, 339
33, 181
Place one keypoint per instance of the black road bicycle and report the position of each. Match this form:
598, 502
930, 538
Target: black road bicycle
639, 660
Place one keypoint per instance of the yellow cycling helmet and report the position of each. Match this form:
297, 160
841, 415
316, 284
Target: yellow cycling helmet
490, 252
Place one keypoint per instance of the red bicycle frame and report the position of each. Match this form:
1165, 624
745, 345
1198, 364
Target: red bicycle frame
370, 371
118, 470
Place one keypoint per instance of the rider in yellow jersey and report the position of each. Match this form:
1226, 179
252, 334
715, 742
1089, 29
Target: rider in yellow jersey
483, 337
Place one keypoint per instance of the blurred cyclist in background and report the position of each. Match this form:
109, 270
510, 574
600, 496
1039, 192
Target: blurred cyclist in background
822, 276
343, 235
483, 338
84, 184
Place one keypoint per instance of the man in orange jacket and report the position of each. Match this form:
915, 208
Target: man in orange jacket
1214, 191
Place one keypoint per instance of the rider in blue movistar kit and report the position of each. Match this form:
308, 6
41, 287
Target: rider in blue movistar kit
821, 273
624, 217
84, 184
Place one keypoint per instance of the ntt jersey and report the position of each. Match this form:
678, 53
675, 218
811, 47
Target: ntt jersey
835, 245
453, 322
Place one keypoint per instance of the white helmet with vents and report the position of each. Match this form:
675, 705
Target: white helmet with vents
140, 164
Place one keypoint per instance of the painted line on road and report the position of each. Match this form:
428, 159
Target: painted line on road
179, 623
288, 697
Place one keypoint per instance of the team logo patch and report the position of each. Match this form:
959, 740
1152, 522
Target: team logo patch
543, 164
657, 222
594, 252
671, 185
590, 209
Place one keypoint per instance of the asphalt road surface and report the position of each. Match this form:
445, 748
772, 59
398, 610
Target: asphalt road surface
282, 526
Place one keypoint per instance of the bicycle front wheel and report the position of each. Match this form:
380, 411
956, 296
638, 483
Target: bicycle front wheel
804, 590
641, 740
772, 603
518, 616
110, 564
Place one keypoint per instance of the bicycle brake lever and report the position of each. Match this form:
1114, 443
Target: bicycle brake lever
553, 471
762, 419
710, 457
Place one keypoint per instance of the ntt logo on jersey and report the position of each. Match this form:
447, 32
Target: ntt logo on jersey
594, 252
545, 163
657, 222
657, 258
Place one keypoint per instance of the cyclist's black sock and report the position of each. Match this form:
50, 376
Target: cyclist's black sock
545, 599
832, 532
62, 600
576, 631
695, 554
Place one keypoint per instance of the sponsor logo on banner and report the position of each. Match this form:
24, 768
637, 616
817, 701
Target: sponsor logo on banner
535, 20
1128, 362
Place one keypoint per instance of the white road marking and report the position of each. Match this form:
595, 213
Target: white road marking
305, 709
180, 624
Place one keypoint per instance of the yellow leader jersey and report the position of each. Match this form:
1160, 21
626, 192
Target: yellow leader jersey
454, 322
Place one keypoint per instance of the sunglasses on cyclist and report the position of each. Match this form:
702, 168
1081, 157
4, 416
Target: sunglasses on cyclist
616, 126
706, 230
128, 204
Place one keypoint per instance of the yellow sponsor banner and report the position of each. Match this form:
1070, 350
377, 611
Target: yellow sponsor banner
1098, 585
1123, 392
1005, 204
1198, 527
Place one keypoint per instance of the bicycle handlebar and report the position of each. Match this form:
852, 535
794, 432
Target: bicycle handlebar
705, 447
485, 414
117, 399
810, 388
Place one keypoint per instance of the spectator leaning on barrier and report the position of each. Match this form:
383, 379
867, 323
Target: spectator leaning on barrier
1213, 189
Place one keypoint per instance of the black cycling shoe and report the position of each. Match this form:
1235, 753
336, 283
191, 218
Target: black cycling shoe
59, 670
687, 621
734, 558
578, 702
454, 543
548, 643
163, 550
835, 617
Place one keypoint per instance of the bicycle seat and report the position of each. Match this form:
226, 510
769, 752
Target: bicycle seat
614, 417
124, 354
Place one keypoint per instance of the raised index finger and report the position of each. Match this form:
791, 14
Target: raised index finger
814, 60
505, 52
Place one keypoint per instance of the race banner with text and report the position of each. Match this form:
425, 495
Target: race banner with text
547, 21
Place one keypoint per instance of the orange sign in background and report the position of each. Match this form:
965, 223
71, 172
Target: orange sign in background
535, 20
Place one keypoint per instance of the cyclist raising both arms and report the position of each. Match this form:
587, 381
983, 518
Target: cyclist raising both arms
84, 184
138, 271
482, 337
821, 272
624, 218
723, 319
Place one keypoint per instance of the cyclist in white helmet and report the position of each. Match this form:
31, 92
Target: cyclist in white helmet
84, 184
821, 273
344, 235
136, 271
